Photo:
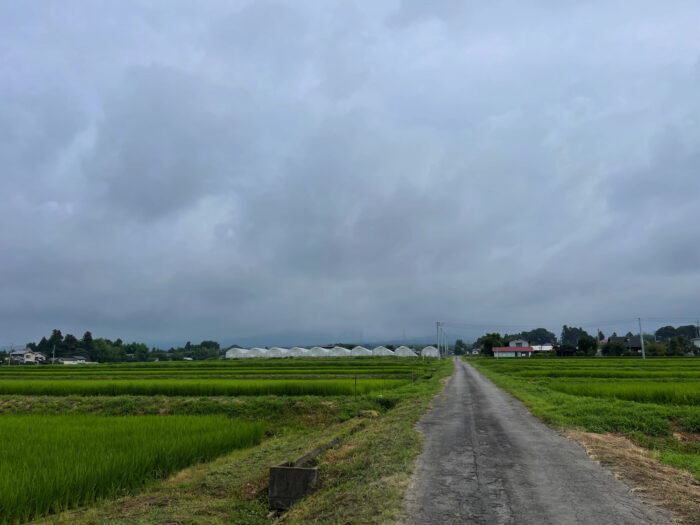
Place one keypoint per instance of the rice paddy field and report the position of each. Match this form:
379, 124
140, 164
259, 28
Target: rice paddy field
76, 436
655, 402
51, 463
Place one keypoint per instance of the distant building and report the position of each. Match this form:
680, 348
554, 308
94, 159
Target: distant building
696, 341
519, 343
75, 360
542, 348
632, 342
27, 356
513, 351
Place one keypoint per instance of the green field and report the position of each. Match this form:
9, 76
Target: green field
77, 435
52, 463
648, 400
196, 387
341, 367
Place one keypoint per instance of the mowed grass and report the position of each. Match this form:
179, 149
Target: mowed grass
52, 463
651, 401
197, 387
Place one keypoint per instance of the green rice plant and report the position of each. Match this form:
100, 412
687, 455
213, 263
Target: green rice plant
268, 368
52, 463
197, 387
645, 392
611, 373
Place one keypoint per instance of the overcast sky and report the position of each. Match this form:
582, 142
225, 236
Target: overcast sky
296, 172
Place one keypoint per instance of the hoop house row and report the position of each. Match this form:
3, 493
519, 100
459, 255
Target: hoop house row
336, 351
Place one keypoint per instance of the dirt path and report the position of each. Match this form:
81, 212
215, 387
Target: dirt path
487, 460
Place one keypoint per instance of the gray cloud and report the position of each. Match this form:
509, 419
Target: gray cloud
265, 169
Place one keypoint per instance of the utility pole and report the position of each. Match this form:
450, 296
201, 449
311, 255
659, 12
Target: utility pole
437, 333
641, 337
437, 329
442, 341
53, 355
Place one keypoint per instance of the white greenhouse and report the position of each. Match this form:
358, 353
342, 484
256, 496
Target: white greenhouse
236, 353
317, 351
339, 351
404, 351
382, 351
430, 351
276, 351
360, 351
257, 352
298, 351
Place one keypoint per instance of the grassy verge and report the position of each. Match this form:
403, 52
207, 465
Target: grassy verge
365, 480
231, 489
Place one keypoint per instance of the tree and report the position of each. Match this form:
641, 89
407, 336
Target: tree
539, 336
159, 355
70, 345
679, 345
570, 335
88, 346
460, 347
141, 352
56, 341
489, 341
44, 347
655, 349
613, 349
565, 350
601, 335
649, 338
688, 331
587, 345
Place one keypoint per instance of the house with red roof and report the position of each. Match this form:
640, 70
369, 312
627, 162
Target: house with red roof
513, 351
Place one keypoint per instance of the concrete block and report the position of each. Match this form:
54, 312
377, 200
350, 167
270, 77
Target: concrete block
289, 483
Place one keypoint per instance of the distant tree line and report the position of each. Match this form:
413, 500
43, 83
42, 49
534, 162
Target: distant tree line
103, 350
575, 341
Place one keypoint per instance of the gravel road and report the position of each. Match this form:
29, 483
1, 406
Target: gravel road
487, 460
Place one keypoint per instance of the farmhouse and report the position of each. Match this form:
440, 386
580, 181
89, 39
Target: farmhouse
512, 351
27, 356
75, 360
518, 343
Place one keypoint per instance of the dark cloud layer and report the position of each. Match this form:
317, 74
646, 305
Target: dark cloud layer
289, 172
